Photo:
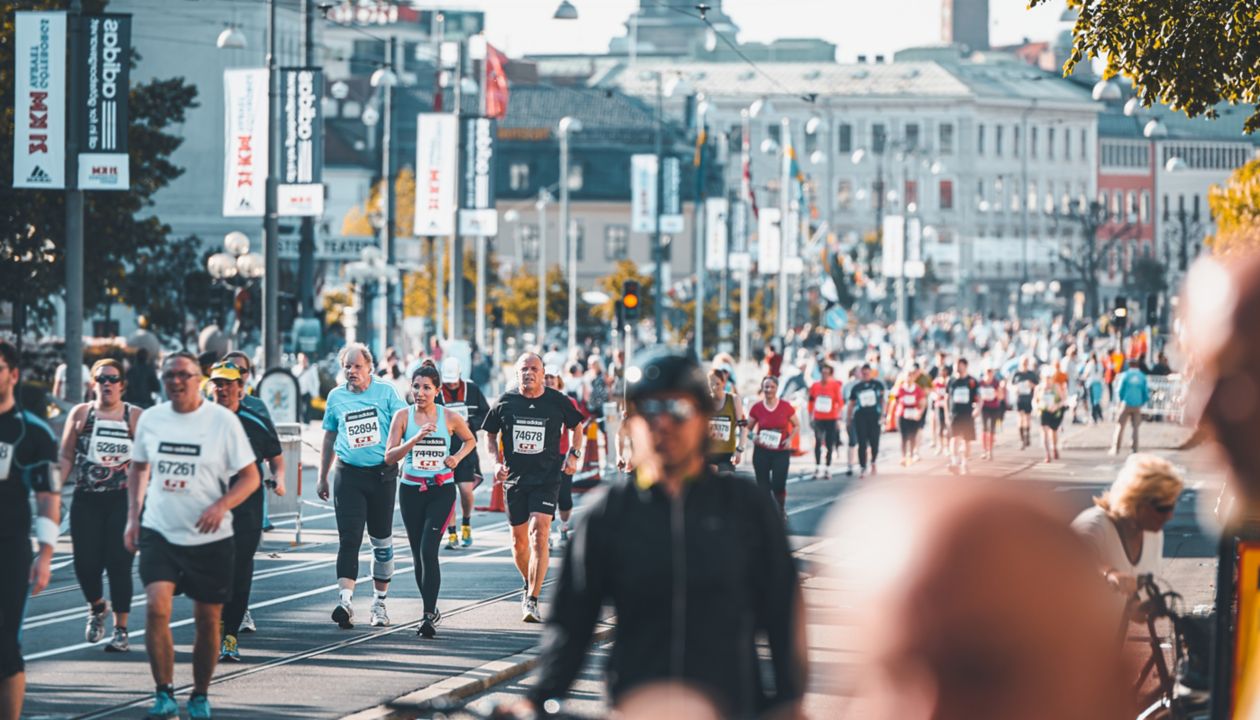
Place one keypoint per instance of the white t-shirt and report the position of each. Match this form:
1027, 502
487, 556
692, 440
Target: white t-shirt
192, 458
1101, 534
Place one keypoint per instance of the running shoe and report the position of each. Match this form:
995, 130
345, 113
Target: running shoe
164, 707
428, 626
95, 630
378, 616
228, 650
343, 615
530, 612
118, 643
465, 536
199, 707
452, 539
247, 623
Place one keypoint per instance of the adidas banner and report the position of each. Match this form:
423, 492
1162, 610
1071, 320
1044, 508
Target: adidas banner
245, 168
39, 93
302, 151
101, 69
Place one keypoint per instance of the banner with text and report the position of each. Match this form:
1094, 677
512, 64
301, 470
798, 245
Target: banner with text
39, 93
477, 214
245, 169
101, 69
642, 193
301, 94
716, 247
769, 241
437, 161
671, 197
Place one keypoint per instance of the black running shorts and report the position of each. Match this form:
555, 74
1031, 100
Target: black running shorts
15, 573
525, 500
202, 572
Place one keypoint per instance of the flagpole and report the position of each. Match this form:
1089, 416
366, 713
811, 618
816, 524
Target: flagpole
784, 206
745, 189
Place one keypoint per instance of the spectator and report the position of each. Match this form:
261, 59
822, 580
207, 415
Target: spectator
1132, 393
142, 381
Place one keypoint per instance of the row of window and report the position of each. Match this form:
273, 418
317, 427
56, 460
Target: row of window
1125, 155
1207, 157
1055, 143
616, 241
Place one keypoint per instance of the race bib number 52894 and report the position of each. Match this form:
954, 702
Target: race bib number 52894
363, 428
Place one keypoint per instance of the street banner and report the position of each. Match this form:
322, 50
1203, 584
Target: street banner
478, 215
39, 100
100, 69
915, 267
768, 241
715, 239
642, 193
739, 226
302, 145
671, 197
341, 248
245, 124
437, 162
893, 250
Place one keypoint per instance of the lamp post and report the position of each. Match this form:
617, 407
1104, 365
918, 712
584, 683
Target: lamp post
544, 198
236, 267
372, 268
386, 79
568, 125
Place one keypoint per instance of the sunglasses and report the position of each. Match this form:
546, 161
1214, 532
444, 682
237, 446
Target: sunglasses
108, 379
677, 408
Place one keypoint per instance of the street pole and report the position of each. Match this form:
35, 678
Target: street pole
74, 239
544, 197
271, 222
1023, 188
745, 151
699, 220
387, 289
456, 308
785, 179
480, 241
569, 247
306, 244
658, 252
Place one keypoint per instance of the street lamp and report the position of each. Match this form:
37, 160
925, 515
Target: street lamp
1106, 91
371, 267
568, 125
231, 39
1155, 130
566, 11
236, 267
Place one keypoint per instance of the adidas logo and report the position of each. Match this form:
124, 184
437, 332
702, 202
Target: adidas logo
38, 175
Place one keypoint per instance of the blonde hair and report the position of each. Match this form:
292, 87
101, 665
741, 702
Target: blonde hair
1143, 478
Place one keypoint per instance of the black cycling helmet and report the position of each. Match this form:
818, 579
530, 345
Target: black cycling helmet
664, 370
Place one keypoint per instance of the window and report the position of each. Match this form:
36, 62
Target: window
1032, 142
1032, 196
518, 176
1016, 136
1130, 205
774, 131
879, 137
844, 195
1084, 143
981, 204
811, 143
1067, 145
577, 234
1049, 143
1017, 197
529, 242
616, 242
980, 140
945, 138
1116, 199
997, 140
912, 136
844, 138
946, 194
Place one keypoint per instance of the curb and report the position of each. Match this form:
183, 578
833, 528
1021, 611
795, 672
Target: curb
451, 691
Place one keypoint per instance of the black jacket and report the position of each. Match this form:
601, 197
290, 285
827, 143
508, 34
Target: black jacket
692, 582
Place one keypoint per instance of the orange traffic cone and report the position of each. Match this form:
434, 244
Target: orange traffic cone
497, 501
588, 475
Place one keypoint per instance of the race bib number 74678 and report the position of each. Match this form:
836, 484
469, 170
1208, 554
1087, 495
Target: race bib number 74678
528, 435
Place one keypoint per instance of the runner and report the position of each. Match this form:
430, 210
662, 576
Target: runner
357, 414
992, 408
421, 437
963, 393
940, 409
564, 500
247, 519
28, 449
1025, 382
849, 429
826, 398
95, 451
911, 400
464, 398
185, 452
531, 418
727, 427
772, 423
866, 407
1048, 398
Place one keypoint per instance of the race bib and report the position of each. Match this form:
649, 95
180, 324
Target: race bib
770, 438
459, 409
822, 404
363, 428
528, 435
176, 466
1028, 386
988, 393
6, 460
962, 395
911, 413
866, 398
110, 445
720, 428
429, 455
909, 400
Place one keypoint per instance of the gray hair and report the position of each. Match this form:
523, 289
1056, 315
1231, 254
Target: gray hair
352, 350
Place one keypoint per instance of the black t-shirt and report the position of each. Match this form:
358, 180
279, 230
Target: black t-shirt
1025, 382
265, 443
867, 396
531, 430
470, 403
28, 448
963, 393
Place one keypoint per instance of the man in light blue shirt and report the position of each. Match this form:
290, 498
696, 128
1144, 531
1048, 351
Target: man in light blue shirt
1132, 393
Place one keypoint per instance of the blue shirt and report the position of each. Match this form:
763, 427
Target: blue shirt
1132, 388
361, 421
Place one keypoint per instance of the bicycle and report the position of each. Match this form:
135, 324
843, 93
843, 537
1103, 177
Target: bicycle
1183, 691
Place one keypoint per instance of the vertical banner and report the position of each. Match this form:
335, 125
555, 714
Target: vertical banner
437, 162
477, 214
739, 226
893, 250
716, 246
245, 169
101, 68
769, 240
302, 145
39, 100
671, 204
642, 193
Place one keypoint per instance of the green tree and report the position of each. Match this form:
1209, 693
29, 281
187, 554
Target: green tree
172, 286
612, 284
1236, 210
1190, 56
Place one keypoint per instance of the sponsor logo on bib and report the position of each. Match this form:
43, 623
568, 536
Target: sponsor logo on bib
528, 435
363, 428
429, 455
770, 439
176, 466
720, 428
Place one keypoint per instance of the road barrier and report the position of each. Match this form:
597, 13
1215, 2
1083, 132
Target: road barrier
1168, 398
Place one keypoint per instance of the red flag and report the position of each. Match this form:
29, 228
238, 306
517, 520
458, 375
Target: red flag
496, 83
748, 190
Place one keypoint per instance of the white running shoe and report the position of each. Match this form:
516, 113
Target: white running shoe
247, 623
95, 630
343, 614
530, 612
378, 616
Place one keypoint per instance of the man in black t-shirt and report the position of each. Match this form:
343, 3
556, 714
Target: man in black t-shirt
531, 419
865, 408
962, 394
1025, 380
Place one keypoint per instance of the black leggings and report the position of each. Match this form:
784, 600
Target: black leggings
246, 534
15, 573
97, 523
868, 430
363, 496
826, 434
425, 515
771, 469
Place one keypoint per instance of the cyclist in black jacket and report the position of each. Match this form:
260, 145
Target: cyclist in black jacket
694, 564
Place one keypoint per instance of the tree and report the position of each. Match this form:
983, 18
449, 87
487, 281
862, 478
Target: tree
612, 285
1088, 259
171, 283
1148, 276
363, 220
518, 296
1188, 55
1236, 209
419, 288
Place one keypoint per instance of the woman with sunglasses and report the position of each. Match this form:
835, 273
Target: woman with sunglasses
420, 436
1126, 525
95, 451
772, 423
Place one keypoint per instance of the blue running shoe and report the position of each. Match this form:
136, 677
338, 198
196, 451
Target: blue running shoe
164, 707
199, 707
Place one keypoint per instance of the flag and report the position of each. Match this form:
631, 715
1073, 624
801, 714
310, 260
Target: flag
496, 83
747, 183
702, 137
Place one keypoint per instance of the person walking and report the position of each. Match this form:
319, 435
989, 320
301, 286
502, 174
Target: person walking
727, 425
865, 408
96, 451
772, 423
963, 393
1132, 393
910, 398
1048, 399
1025, 381
564, 499
992, 408
826, 400
464, 398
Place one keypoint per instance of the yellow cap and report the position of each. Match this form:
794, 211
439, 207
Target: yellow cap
225, 371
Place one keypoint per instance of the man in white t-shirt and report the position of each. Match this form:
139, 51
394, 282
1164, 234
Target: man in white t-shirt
185, 452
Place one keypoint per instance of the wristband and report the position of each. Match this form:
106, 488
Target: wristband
46, 531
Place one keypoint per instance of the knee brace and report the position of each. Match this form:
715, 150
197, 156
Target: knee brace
382, 558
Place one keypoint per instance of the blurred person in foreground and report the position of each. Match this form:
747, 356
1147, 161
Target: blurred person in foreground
695, 565
973, 603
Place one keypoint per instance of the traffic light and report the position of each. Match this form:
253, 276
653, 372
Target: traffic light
1152, 309
496, 317
1120, 314
630, 300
